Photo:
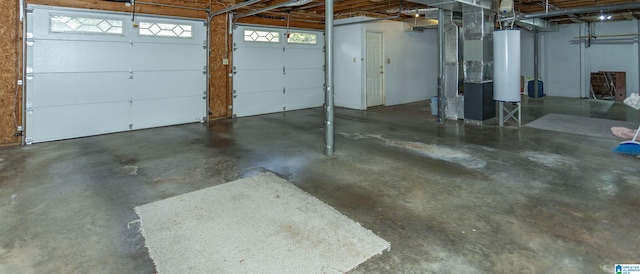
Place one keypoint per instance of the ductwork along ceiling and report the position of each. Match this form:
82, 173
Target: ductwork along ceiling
555, 11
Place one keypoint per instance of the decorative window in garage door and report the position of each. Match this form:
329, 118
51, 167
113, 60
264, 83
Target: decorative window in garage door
261, 36
75, 24
165, 30
302, 38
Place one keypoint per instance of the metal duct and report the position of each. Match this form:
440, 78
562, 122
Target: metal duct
454, 107
538, 24
600, 8
459, 5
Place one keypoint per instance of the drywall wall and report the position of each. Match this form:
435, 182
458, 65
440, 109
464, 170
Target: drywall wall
411, 63
566, 61
347, 67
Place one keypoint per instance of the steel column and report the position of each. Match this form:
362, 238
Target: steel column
441, 49
536, 65
328, 75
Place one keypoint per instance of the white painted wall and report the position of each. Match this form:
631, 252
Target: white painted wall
566, 63
411, 74
347, 67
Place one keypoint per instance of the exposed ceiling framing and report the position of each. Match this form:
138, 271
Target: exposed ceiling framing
313, 11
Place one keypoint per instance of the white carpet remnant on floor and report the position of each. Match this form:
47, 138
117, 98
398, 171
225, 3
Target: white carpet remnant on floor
261, 224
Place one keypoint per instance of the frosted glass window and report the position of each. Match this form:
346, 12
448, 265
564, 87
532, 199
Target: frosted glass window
165, 30
302, 38
76, 24
261, 36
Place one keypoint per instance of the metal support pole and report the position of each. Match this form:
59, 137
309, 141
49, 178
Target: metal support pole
536, 66
328, 75
441, 49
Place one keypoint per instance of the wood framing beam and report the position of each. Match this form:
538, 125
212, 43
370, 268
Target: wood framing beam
119, 6
280, 23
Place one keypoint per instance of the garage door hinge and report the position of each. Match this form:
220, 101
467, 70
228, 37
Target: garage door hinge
204, 95
283, 90
130, 74
131, 101
235, 70
284, 71
130, 126
283, 49
204, 44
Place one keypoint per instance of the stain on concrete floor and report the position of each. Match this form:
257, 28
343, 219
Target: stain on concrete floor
452, 198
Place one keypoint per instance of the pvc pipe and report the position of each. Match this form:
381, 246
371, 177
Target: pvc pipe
329, 113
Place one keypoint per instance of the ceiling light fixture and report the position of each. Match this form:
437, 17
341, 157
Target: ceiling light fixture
605, 17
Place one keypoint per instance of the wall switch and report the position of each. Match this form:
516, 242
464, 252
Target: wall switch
225, 61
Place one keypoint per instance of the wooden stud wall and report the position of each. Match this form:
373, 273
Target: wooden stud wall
219, 81
9, 68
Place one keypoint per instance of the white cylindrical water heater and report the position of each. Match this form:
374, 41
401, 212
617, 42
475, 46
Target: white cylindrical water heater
506, 65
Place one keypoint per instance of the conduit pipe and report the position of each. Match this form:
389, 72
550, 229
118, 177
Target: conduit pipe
600, 8
232, 8
397, 16
328, 74
290, 3
171, 6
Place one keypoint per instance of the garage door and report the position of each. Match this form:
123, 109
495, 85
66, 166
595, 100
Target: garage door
91, 73
276, 72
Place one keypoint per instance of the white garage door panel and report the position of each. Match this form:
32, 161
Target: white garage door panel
252, 81
304, 78
56, 123
168, 57
304, 98
167, 111
304, 58
79, 56
168, 84
256, 58
85, 84
258, 103
265, 69
78, 88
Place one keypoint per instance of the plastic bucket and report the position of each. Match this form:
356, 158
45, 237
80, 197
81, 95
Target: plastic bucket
434, 105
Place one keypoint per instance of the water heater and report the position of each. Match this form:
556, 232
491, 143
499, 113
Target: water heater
506, 65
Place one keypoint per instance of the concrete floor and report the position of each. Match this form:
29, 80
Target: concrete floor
450, 199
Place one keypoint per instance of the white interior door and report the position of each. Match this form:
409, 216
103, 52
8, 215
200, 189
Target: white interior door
274, 73
374, 69
91, 73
